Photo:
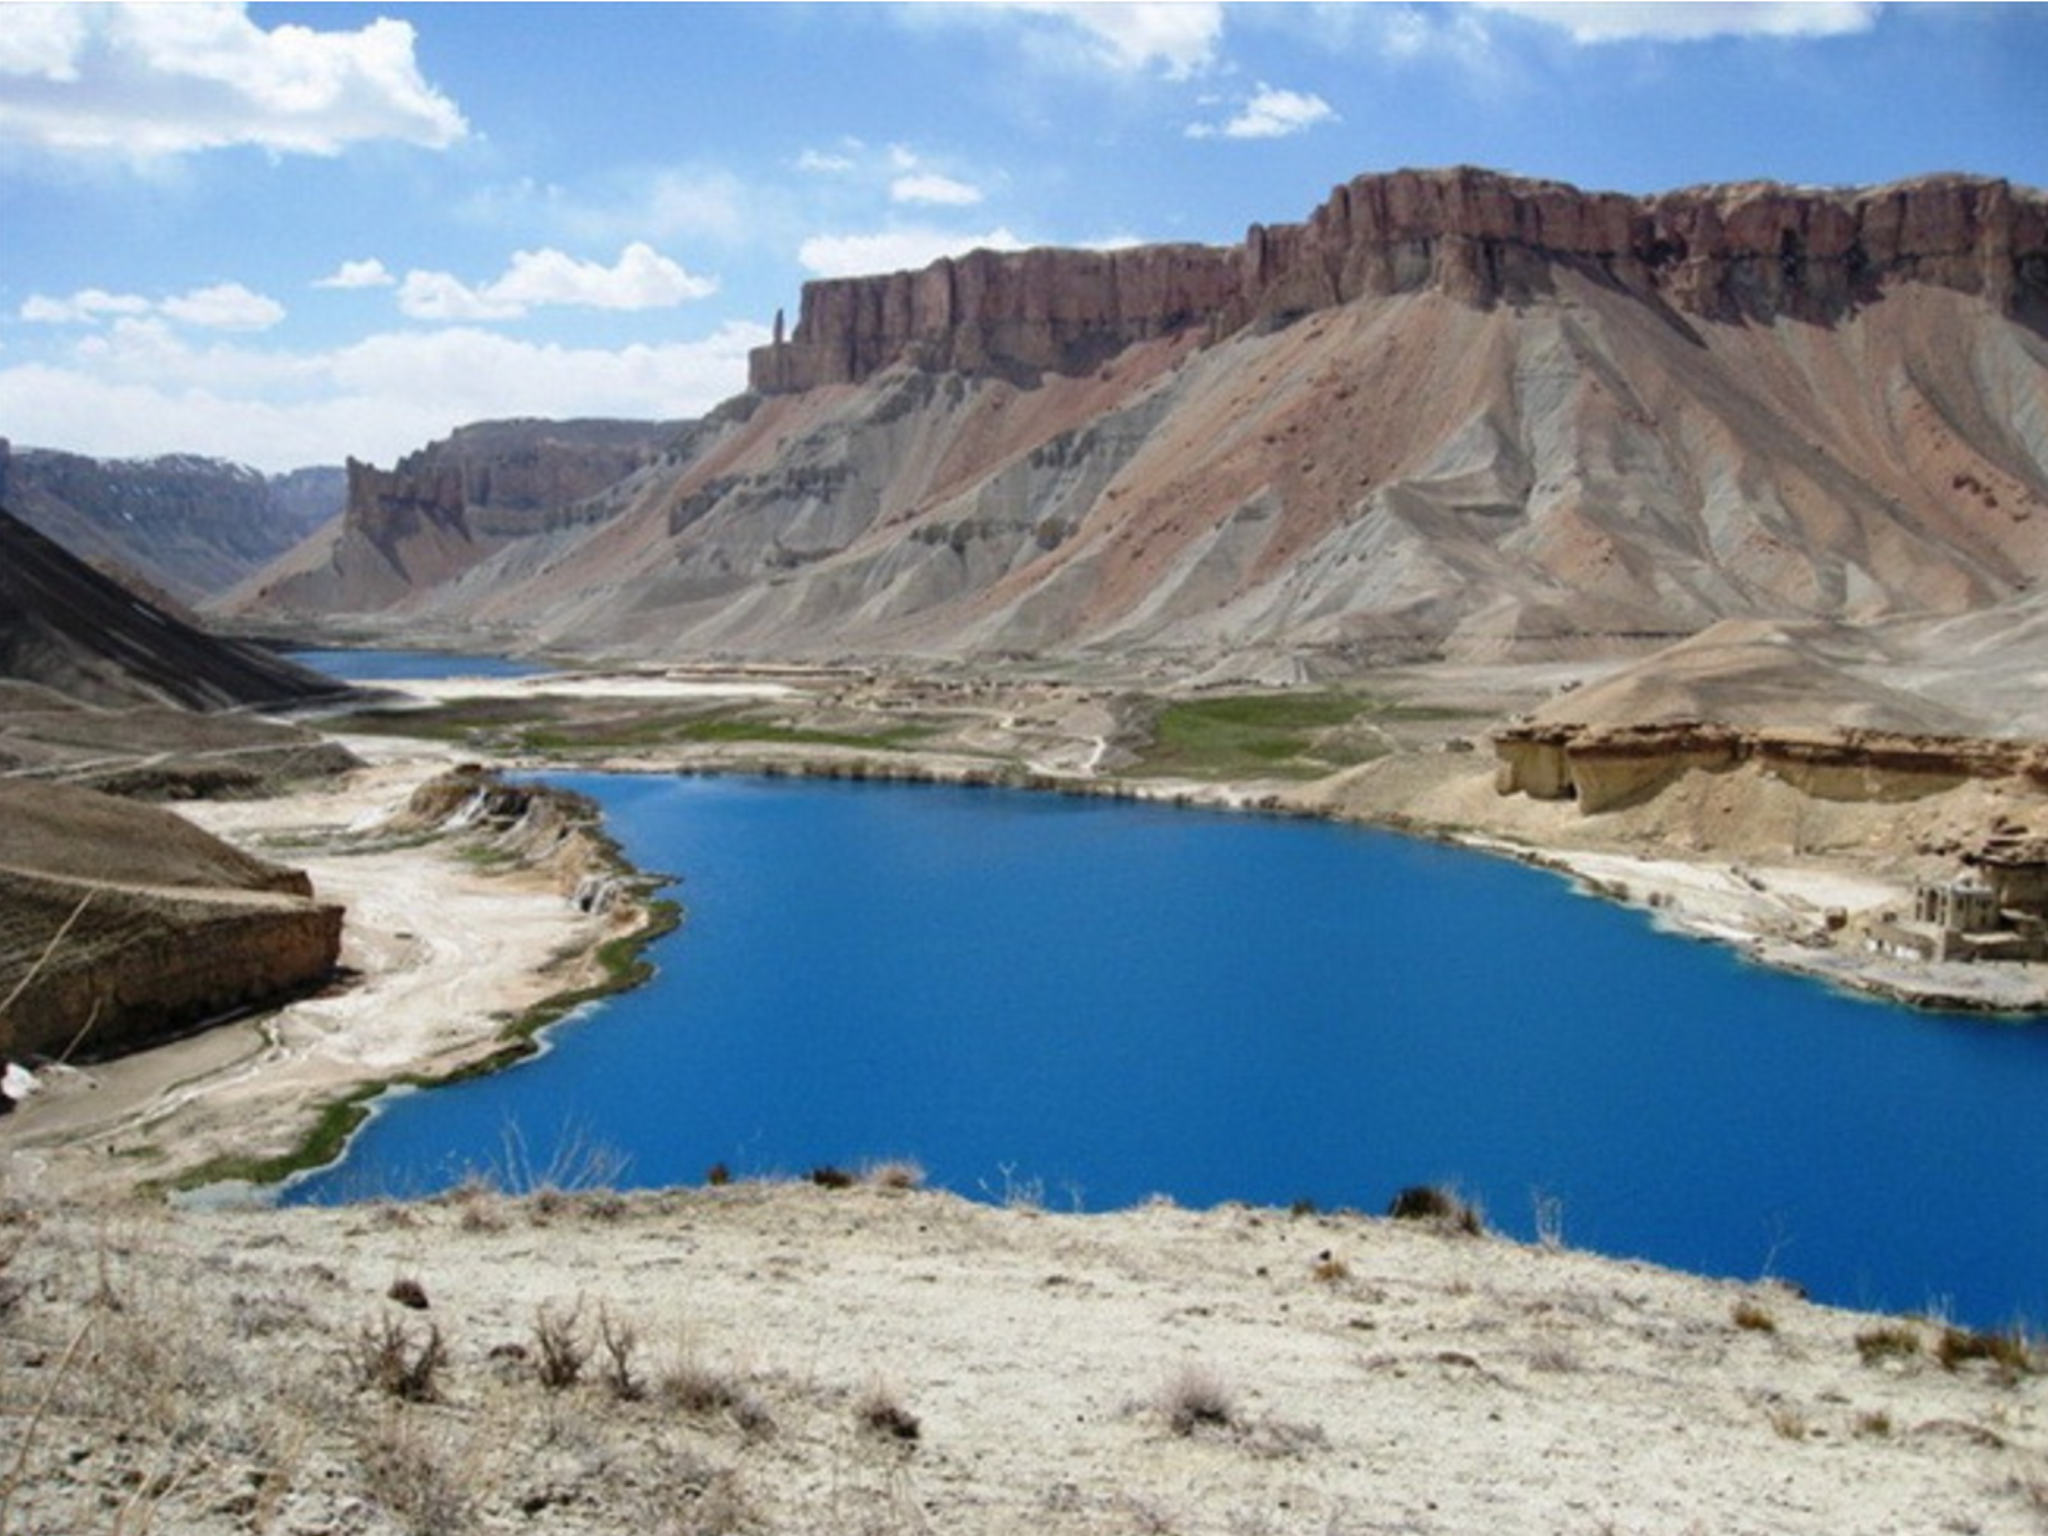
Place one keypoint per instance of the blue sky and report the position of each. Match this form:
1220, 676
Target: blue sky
286, 234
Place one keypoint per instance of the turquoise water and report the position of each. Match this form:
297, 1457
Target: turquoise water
1094, 1002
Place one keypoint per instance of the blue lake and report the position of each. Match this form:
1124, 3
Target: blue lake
378, 666
1097, 1001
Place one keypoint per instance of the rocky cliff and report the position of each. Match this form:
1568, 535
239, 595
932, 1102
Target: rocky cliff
190, 526
122, 925
1750, 251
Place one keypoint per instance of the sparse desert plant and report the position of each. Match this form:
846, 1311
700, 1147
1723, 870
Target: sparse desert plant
408, 1292
2007, 1350
1440, 1206
1329, 1269
1753, 1317
1875, 1424
895, 1173
1790, 1422
829, 1177
1195, 1397
718, 1175
387, 1359
619, 1341
1888, 1341
881, 1412
559, 1349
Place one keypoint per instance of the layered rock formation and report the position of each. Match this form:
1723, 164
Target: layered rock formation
186, 525
122, 925
1751, 251
1452, 415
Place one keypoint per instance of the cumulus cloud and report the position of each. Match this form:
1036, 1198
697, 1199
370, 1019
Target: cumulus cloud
642, 278
1591, 21
224, 307
86, 306
1269, 114
358, 274
152, 80
928, 187
139, 391
1178, 39
896, 250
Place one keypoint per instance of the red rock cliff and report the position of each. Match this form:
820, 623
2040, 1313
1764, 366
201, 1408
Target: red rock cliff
1726, 253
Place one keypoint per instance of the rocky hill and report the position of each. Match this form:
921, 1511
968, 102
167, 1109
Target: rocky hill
186, 525
1451, 415
67, 628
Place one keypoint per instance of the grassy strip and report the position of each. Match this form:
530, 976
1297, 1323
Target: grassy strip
1285, 735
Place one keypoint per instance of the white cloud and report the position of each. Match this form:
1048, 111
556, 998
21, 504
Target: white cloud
895, 250
1591, 21
85, 306
636, 204
142, 393
143, 80
358, 274
928, 187
824, 163
642, 278
1270, 114
225, 307
1180, 39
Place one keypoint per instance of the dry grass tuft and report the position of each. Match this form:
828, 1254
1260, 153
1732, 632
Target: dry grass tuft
880, 1412
1195, 1398
1753, 1317
1888, 1341
1439, 1206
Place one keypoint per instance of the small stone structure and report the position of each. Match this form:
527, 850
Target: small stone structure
1997, 909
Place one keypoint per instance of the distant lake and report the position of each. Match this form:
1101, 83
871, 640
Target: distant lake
371, 666
1091, 1002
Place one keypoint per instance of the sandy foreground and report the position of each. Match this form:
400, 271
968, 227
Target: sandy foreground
790, 1358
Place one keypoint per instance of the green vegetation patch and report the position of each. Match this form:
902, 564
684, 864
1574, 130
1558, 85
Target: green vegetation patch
1262, 735
583, 728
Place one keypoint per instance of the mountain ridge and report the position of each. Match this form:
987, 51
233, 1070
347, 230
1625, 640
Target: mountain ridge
1415, 436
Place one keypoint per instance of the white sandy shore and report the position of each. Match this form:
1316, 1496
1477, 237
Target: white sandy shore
439, 954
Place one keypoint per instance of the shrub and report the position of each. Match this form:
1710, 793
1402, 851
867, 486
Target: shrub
559, 1350
896, 1173
2008, 1351
828, 1177
387, 1359
408, 1292
1330, 1269
619, 1341
1438, 1205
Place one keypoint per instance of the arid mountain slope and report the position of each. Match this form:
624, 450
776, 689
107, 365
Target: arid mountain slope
65, 627
186, 525
1453, 415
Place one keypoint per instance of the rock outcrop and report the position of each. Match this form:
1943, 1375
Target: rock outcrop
1605, 768
122, 925
1749, 251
